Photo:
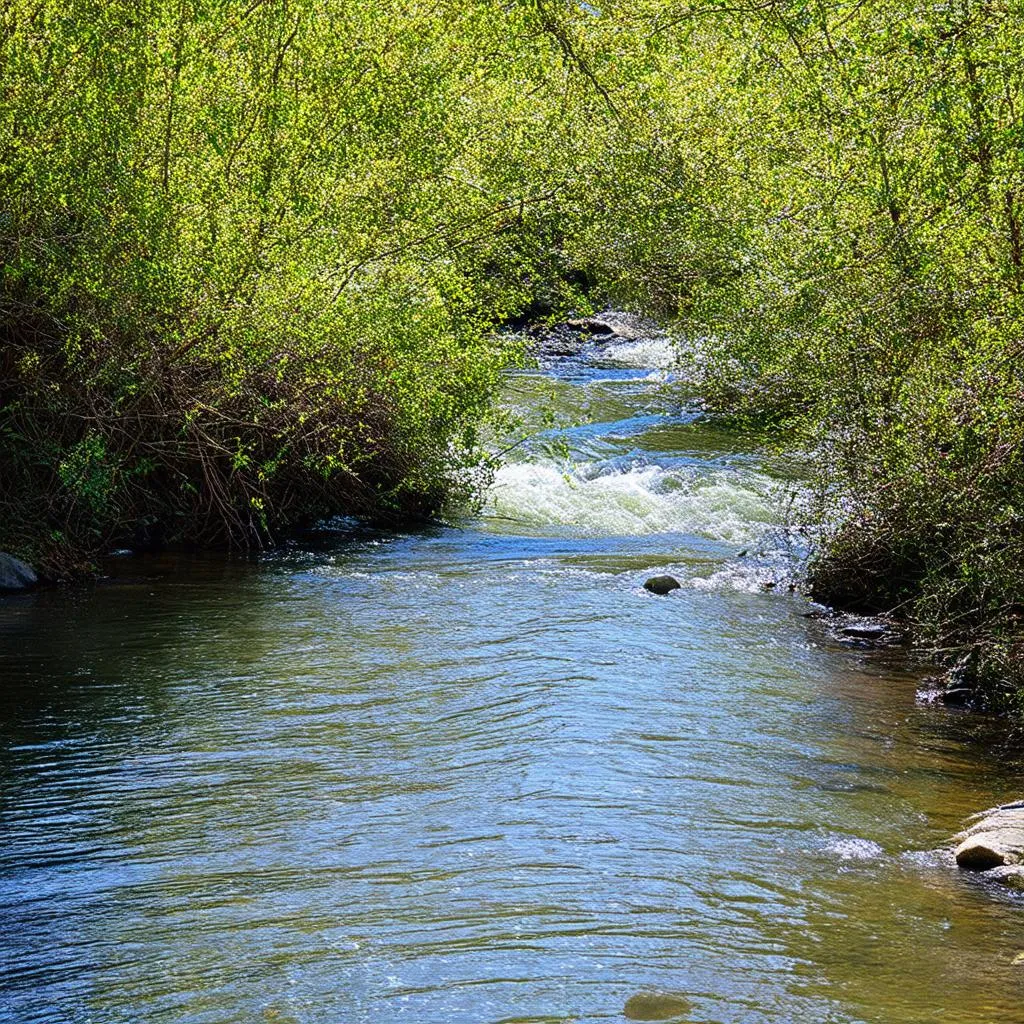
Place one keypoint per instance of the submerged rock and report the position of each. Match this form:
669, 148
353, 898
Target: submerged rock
662, 585
1011, 876
656, 1006
15, 574
994, 841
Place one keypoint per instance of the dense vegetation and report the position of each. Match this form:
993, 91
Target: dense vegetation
249, 255
252, 256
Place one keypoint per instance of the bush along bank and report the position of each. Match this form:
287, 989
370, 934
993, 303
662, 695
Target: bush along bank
249, 259
860, 288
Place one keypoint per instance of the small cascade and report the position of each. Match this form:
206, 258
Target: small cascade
613, 476
594, 499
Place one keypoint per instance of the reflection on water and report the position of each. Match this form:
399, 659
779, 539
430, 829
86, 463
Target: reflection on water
478, 775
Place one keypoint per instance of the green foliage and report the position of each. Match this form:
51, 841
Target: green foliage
252, 256
874, 221
249, 256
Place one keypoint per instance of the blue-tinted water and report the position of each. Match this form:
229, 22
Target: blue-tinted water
478, 775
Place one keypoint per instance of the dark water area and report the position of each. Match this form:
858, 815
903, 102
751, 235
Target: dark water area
477, 774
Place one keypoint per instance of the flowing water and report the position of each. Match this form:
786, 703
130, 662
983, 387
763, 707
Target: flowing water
478, 775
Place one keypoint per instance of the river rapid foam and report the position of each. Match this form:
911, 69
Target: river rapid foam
720, 504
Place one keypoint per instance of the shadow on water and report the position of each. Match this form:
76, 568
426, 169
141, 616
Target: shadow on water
479, 775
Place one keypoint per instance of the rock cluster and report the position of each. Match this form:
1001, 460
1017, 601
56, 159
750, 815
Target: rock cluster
570, 337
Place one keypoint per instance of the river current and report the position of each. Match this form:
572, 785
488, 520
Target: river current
476, 774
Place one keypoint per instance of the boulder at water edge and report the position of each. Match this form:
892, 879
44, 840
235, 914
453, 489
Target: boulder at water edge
994, 840
15, 574
662, 585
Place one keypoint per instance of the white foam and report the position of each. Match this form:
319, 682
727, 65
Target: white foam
655, 353
854, 848
746, 579
727, 505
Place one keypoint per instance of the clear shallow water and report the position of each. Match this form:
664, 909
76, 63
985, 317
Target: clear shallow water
478, 775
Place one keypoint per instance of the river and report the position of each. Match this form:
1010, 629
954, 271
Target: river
475, 774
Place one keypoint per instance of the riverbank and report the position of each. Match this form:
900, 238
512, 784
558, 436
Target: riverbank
860, 550
975, 672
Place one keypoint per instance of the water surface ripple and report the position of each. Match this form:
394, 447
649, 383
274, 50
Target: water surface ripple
477, 775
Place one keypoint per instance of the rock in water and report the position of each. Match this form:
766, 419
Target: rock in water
656, 1006
662, 585
961, 697
590, 325
15, 574
1012, 877
615, 324
996, 839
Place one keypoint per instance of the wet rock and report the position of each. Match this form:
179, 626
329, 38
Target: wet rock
955, 688
958, 697
965, 672
612, 325
662, 585
995, 840
1012, 877
559, 344
590, 325
571, 337
656, 1006
15, 575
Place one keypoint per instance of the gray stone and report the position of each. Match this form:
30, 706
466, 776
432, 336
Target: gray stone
598, 326
995, 840
662, 585
614, 324
589, 325
15, 574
